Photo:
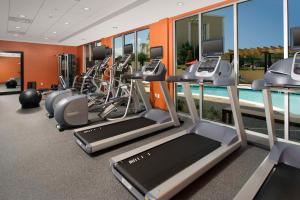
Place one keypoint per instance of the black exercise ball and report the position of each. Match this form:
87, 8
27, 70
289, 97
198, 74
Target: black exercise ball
30, 98
12, 83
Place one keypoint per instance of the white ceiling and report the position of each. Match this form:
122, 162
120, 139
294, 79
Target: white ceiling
44, 21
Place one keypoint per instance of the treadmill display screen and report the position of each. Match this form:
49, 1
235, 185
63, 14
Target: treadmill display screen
208, 66
99, 53
156, 52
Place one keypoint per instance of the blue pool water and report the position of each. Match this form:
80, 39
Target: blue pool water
250, 95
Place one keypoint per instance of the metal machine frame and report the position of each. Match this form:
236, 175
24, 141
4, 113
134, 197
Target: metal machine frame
280, 152
168, 119
173, 185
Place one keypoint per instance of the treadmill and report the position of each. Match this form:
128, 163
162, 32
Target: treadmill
97, 137
278, 176
162, 168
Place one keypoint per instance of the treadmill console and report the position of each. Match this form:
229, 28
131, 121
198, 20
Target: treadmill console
152, 67
213, 69
155, 70
208, 67
283, 73
296, 67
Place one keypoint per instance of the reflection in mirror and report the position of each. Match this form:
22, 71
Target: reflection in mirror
10, 72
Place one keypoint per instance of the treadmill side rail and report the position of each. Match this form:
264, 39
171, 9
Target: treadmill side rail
134, 191
254, 183
111, 141
104, 123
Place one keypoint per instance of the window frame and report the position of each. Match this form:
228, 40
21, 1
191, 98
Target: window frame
236, 55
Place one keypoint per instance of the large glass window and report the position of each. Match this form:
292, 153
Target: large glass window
294, 98
89, 62
294, 25
260, 34
217, 40
217, 33
118, 48
143, 47
187, 51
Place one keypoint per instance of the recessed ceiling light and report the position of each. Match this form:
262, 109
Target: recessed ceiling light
54, 32
18, 27
179, 3
67, 23
46, 38
22, 16
115, 27
86, 9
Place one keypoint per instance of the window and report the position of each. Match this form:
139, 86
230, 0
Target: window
143, 47
294, 98
89, 62
260, 45
260, 39
217, 29
260, 30
187, 51
118, 47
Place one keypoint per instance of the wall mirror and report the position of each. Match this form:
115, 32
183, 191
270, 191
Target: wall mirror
11, 72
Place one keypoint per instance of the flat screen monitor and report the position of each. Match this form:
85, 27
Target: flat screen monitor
156, 52
295, 38
128, 49
212, 47
99, 53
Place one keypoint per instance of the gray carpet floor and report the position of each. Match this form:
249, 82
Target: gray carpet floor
39, 162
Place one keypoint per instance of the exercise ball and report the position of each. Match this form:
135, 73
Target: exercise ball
12, 83
30, 98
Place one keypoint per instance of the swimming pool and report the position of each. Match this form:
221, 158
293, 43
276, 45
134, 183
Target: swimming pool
251, 96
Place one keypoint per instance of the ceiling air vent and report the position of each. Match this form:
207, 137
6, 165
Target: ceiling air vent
22, 20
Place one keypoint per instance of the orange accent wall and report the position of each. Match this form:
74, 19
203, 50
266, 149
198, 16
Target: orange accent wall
40, 61
80, 58
108, 43
9, 68
159, 34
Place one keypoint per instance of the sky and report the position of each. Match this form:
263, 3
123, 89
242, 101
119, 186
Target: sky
260, 22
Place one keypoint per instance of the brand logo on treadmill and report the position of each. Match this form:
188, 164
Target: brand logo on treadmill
92, 130
138, 158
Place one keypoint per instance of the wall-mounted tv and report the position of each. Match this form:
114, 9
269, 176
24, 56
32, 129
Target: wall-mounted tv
295, 38
213, 47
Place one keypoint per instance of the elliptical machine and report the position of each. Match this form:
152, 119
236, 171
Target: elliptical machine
84, 84
74, 111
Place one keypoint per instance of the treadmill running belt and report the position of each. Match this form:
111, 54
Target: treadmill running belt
110, 130
152, 167
282, 183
